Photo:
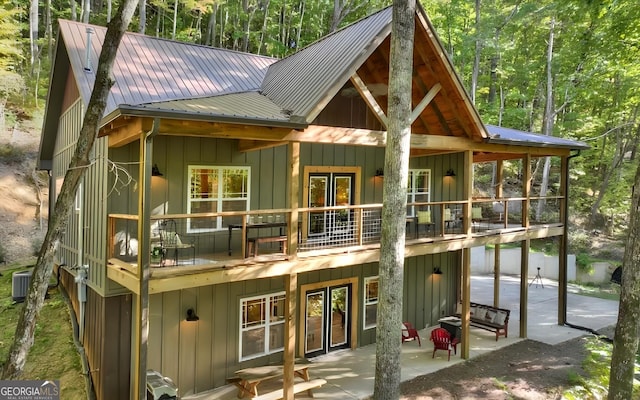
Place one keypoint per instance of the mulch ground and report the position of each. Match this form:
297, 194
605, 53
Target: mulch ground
525, 370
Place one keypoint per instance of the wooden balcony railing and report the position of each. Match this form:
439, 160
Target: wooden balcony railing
198, 239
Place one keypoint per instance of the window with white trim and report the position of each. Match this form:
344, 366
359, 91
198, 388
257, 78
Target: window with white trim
216, 189
370, 301
261, 325
418, 189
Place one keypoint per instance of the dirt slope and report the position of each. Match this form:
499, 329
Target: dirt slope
23, 216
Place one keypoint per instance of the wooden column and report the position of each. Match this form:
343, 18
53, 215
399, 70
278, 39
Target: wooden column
466, 296
562, 251
496, 256
141, 299
524, 287
525, 245
466, 254
293, 191
291, 286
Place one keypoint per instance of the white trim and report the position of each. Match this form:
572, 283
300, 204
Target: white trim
266, 323
366, 302
217, 194
411, 189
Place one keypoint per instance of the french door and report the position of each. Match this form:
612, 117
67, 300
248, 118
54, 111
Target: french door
327, 320
328, 190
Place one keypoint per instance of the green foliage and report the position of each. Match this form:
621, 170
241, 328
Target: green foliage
11, 154
583, 262
597, 365
53, 354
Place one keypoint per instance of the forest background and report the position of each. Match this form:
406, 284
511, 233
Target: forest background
566, 68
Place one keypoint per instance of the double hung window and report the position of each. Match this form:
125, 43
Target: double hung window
214, 189
418, 189
261, 325
370, 301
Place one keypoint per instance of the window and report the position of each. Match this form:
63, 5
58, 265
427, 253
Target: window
370, 301
261, 325
216, 189
418, 189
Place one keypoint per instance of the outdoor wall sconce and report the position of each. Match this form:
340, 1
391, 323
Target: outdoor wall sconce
450, 172
155, 171
191, 315
437, 271
379, 173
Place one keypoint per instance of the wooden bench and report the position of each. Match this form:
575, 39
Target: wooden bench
297, 388
253, 244
490, 318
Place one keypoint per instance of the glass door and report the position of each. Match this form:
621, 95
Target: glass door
329, 190
327, 320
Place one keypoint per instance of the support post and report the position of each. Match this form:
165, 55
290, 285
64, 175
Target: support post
291, 285
496, 255
141, 312
562, 251
293, 189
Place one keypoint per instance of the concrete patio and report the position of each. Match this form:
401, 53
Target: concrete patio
350, 373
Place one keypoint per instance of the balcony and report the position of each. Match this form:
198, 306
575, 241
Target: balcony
184, 242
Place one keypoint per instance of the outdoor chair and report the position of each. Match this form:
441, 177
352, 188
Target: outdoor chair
409, 333
170, 242
423, 219
442, 341
477, 217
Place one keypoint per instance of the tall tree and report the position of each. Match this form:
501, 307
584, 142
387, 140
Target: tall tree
394, 199
25, 329
625, 342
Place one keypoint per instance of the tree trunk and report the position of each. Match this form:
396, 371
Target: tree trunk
394, 199
74, 10
625, 342
476, 57
49, 31
265, 21
33, 35
25, 330
175, 20
548, 121
210, 39
86, 10
142, 16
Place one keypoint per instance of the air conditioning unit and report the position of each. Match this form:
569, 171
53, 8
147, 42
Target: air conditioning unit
20, 285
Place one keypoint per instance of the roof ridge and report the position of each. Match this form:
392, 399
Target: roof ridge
205, 96
331, 34
178, 42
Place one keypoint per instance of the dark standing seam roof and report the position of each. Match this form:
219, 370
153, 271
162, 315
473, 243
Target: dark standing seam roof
500, 135
314, 74
149, 69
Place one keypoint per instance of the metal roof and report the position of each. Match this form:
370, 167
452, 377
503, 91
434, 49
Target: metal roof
500, 135
313, 75
246, 107
149, 69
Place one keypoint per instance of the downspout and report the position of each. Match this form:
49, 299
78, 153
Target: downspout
563, 284
141, 311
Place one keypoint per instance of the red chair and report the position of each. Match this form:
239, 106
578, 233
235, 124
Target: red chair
442, 341
409, 333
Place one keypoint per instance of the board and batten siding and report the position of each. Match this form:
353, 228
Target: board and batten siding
201, 355
84, 242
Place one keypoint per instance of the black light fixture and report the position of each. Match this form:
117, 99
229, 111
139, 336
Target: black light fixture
191, 315
155, 171
450, 172
379, 173
437, 271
